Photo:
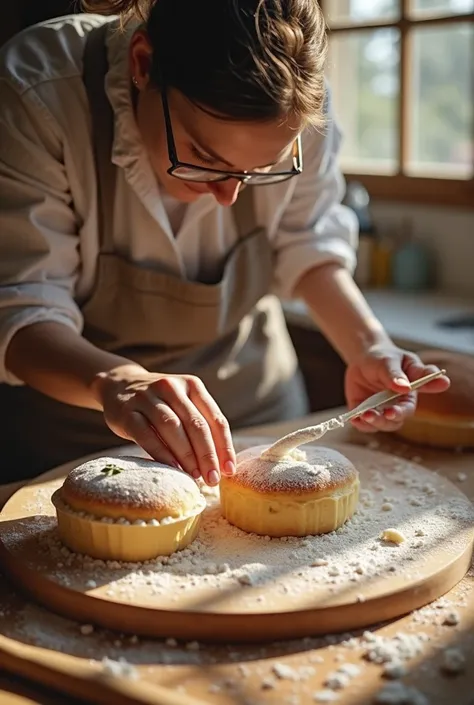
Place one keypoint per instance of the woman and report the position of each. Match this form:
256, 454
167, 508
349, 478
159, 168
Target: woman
137, 272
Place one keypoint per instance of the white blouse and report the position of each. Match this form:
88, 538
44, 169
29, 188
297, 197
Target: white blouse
48, 198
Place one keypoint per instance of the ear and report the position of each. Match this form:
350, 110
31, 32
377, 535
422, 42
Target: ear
140, 57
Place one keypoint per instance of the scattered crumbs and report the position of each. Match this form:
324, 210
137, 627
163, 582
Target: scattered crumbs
387, 507
461, 477
420, 532
393, 536
245, 579
399, 694
416, 502
86, 629
134, 640
454, 662
119, 669
192, 646
325, 696
285, 672
429, 490
91, 584
171, 642
452, 619
268, 683
337, 681
334, 570
319, 562
402, 647
394, 670
350, 669
360, 598
306, 672
315, 658
417, 544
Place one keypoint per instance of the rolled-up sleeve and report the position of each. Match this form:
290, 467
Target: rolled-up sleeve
315, 228
39, 245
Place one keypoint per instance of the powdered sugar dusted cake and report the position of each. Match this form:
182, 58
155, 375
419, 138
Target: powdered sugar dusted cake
132, 489
304, 492
125, 506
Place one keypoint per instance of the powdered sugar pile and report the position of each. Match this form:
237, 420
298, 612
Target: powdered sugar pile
315, 467
255, 571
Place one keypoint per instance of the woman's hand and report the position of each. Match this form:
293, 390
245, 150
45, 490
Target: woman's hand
387, 367
172, 417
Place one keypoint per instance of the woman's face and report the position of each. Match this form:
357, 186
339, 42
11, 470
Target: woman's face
202, 139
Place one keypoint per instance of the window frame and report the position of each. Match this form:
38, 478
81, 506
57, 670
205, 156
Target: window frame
402, 186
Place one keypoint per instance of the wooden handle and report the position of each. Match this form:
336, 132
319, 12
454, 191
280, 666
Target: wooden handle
58, 672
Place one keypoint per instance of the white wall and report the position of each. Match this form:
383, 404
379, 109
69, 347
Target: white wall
448, 232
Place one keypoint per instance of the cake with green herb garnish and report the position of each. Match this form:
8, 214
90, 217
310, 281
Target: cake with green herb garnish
127, 508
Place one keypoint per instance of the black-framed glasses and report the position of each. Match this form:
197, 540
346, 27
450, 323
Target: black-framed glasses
193, 172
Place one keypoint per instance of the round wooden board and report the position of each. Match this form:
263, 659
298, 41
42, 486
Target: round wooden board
264, 589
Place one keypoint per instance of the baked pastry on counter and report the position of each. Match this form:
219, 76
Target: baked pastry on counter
445, 420
127, 509
307, 492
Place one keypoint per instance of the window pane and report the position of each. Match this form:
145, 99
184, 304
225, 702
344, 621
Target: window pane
442, 101
344, 12
364, 75
433, 8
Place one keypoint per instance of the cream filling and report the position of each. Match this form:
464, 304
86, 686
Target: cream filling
126, 522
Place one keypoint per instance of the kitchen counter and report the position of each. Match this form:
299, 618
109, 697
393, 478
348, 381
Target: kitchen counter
410, 319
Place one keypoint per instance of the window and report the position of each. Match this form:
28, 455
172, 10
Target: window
402, 79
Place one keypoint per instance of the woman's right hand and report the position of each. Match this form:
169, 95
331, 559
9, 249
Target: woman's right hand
172, 417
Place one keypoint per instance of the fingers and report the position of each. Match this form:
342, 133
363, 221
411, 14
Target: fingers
389, 419
139, 430
191, 425
176, 421
218, 424
170, 427
415, 369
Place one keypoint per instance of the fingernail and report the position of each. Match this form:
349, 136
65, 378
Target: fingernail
402, 381
369, 416
229, 468
213, 477
196, 474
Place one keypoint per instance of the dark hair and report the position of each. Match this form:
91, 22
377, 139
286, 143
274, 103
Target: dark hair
245, 59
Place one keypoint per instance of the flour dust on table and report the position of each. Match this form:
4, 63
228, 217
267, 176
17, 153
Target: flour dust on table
410, 521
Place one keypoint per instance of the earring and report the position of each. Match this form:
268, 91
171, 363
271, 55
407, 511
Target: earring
135, 81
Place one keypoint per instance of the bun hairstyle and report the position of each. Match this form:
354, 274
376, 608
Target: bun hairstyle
243, 59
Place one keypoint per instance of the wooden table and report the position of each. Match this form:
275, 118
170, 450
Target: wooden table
238, 675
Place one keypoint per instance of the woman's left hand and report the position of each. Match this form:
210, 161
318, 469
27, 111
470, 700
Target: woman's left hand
387, 367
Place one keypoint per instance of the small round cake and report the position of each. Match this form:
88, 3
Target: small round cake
445, 420
307, 492
128, 509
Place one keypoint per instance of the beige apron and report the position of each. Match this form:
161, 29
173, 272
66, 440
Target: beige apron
228, 331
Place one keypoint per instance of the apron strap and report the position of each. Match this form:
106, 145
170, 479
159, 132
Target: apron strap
95, 66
